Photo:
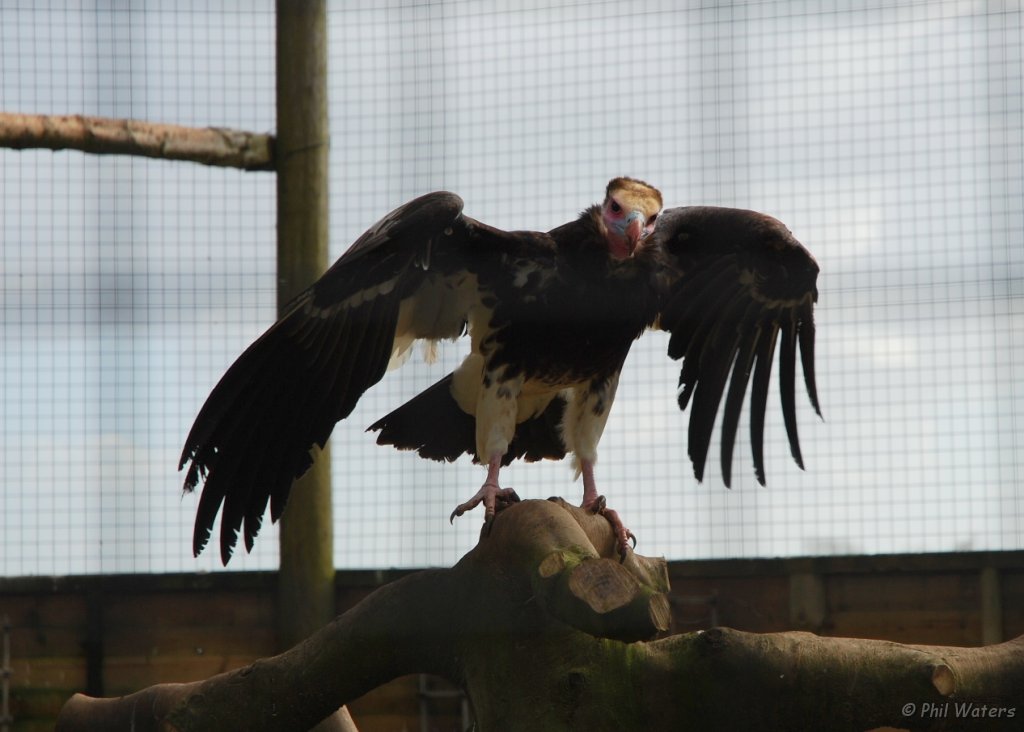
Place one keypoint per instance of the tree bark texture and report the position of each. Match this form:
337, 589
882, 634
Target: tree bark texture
539, 623
216, 146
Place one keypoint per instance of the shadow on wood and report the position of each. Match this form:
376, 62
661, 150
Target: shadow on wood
540, 624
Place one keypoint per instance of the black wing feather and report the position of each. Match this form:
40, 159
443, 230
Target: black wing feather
738, 279
805, 332
759, 395
741, 369
709, 289
284, 394
692, 329
787, 388
714, 360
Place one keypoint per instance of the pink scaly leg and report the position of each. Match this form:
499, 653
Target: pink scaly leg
493, 496
596, 503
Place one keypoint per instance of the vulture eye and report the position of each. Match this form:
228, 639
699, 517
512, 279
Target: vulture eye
616, 208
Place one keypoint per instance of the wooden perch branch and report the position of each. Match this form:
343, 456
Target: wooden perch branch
104, 136
526, 622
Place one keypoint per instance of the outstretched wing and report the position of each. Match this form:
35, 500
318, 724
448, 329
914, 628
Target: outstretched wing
740, 282
284, 394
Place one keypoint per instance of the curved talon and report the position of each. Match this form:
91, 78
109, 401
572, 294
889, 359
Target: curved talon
598, 505
622, 546
494, 497
623, 536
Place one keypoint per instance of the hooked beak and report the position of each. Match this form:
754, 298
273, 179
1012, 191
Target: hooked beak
625, 233
631, 229
634, 229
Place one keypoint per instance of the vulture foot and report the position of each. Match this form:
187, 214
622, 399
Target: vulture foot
492, 496
623, 536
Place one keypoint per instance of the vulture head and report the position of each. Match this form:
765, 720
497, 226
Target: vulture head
628, 214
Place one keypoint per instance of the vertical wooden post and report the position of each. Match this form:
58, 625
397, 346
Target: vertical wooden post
305, 595
6, 720
807, 606
991, 607
306, 578
92, 644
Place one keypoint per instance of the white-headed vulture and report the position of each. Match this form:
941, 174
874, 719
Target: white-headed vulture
550, 318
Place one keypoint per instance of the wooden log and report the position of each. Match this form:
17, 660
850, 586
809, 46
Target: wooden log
218, 146
484, 624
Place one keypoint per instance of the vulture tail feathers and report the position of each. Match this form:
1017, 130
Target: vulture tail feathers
540, 437
431, 423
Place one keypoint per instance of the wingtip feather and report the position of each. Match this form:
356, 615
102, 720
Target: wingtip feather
787, 390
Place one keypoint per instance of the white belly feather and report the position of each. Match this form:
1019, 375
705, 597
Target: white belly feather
497, 403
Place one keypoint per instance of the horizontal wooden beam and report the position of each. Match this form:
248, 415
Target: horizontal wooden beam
217, 146
848, 564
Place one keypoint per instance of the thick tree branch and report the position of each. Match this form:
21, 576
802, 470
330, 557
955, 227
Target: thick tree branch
104, 136
527, 623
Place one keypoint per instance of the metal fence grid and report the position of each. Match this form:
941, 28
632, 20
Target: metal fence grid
888, 136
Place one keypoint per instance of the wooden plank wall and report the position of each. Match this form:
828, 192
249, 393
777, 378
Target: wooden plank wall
115, 634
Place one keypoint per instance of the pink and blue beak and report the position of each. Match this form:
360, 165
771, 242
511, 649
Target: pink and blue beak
634, 228
631, 228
